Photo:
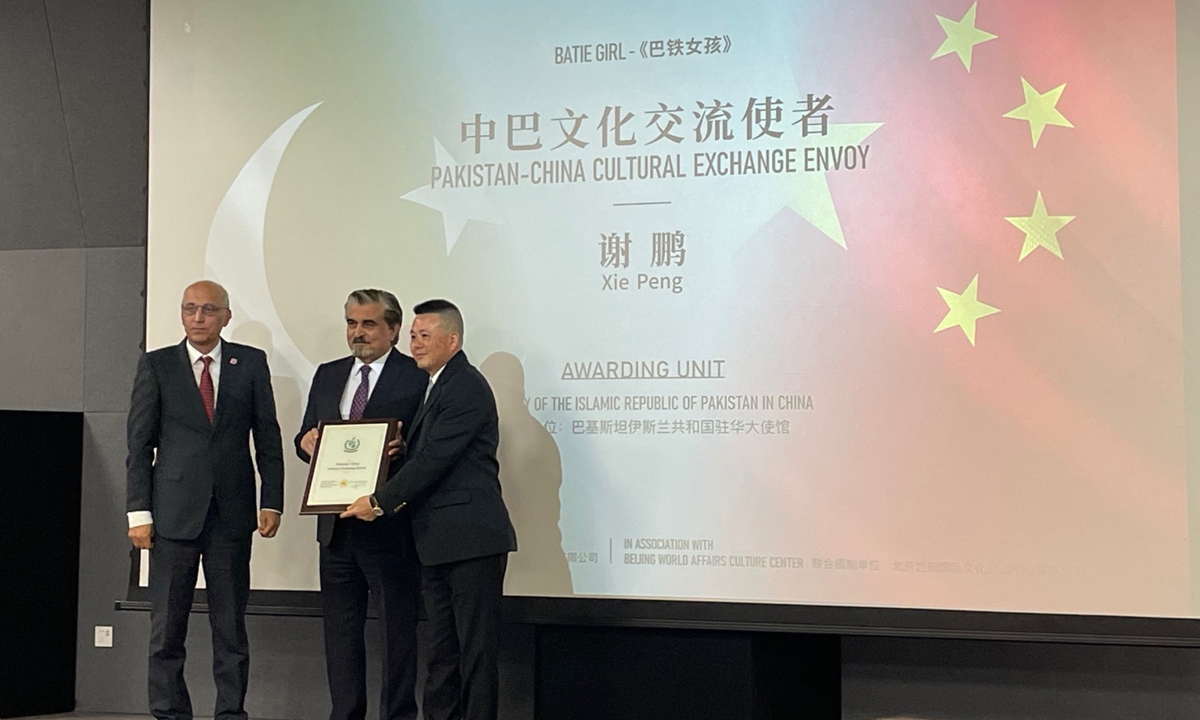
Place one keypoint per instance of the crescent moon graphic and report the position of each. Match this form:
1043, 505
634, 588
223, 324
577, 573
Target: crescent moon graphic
235, 258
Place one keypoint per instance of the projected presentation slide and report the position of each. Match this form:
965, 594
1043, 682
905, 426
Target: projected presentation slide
868, 302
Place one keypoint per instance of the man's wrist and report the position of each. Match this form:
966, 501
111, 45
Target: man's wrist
375, 507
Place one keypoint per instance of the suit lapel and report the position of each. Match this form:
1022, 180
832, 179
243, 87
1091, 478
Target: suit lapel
424, 409
231, 374
331, 394
383, 386
425, 405
435, 393
186, 379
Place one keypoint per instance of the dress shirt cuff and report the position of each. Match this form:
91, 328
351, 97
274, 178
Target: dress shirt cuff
277, 512
140, 517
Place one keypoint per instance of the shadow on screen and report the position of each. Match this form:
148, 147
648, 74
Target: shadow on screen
290, 559
530, 475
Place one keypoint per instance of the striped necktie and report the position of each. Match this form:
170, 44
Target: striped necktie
207, 391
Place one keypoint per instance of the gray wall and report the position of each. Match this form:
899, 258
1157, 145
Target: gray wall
73, 122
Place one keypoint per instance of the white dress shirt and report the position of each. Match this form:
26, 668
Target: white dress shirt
432, 379
355, 379
146, 517
214, 368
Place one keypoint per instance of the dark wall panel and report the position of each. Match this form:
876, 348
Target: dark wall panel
39, 207
979, 680
101, 51
602, 673
39, 560
116, 281
108, 678
41, 329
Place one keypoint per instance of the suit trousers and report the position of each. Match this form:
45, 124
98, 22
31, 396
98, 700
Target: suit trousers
461, 635
356, 563
174, 566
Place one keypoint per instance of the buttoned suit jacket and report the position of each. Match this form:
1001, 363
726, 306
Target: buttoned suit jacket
179, 463
451, 478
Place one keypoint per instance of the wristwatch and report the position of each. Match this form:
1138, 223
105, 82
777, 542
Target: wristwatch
375, 509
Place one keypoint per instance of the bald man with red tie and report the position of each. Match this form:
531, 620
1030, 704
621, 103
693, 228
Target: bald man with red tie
191, 494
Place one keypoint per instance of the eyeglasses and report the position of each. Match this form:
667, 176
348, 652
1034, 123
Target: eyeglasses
208, 309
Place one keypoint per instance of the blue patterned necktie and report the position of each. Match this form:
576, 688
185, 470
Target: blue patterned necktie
361, 394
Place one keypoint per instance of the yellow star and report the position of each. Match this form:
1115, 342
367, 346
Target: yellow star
961, 37
1039, 109
965, 309
1040, 229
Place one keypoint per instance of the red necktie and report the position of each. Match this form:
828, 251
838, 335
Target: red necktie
207, 395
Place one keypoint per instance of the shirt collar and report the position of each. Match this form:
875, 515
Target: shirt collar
194, 355
434, 377
376, 367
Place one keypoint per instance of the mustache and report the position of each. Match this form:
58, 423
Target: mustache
360, 340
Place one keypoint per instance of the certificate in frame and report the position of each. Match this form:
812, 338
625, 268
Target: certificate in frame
349, 461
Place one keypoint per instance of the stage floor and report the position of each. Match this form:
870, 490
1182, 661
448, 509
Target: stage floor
86, 716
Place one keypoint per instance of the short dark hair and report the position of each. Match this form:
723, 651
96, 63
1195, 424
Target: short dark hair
392, 314
447, 312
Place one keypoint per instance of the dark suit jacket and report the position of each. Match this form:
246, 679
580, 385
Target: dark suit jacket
198, 461
451, 478
398, 393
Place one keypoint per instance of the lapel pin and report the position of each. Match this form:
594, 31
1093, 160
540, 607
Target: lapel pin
233, 361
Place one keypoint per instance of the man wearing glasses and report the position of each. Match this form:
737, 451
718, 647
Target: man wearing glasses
191, 494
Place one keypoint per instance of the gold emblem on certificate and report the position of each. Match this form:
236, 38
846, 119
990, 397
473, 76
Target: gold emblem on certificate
350, 460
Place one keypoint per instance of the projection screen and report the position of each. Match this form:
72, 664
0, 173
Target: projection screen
861, 303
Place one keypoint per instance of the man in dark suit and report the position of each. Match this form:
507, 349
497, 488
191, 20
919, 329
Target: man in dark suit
191, 494
450, 482
375, 381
